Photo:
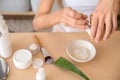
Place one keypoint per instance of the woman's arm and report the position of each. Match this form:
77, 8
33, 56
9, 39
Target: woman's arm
42, 16
104, 20
69, 17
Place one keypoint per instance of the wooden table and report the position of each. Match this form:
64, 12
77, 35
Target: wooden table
105, 66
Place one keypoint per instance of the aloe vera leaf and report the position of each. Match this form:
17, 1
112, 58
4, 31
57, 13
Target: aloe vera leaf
65, 64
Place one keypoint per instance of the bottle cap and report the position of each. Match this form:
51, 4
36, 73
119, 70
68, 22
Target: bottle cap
37, 63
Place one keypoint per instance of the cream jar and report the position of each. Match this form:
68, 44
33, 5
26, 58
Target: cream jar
22, 59
34, 48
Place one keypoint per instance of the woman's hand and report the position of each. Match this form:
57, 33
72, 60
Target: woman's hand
72, 18
104, 20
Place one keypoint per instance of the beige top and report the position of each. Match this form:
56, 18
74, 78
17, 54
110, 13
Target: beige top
105, 66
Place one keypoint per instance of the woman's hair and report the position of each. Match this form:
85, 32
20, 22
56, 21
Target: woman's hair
60, 3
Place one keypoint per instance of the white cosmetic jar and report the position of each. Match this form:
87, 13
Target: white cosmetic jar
81, 50
22, 59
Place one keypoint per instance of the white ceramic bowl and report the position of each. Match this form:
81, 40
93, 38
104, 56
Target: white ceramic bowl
81, 50
22, 59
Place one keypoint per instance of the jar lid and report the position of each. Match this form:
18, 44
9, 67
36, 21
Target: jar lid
22, 59
34, 48
22, 56
37, 63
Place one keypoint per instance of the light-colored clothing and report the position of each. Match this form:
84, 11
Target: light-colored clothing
83, 6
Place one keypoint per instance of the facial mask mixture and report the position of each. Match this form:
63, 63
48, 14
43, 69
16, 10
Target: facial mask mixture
80, 53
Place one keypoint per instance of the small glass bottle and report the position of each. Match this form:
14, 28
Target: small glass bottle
5, 43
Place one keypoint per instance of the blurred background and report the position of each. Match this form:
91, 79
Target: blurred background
20, 13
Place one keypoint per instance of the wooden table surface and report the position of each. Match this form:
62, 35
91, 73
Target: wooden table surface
105, 66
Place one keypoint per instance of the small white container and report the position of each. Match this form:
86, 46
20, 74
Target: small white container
34, 48
81, 50
37, 63
22, 59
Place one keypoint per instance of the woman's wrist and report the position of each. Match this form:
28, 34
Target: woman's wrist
56, 17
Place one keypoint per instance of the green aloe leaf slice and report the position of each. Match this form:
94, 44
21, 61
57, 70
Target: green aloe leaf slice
65, 64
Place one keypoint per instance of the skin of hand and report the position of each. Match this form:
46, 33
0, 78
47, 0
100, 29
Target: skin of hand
72, 18
104, 19
67, 16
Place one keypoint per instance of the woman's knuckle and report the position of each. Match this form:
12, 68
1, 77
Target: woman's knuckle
73, 13
62, 19
100, 29
115, 26
96, 11
75, 21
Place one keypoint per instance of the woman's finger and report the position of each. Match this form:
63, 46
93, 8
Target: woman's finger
68, 21
75, 14
100, 30
115, 23
108, 28
94, 26
74, 21
64, 21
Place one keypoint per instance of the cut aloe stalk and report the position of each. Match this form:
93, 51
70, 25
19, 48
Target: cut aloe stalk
65, 64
